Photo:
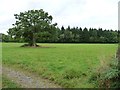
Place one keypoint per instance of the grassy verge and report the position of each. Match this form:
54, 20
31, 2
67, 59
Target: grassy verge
6, 83
69, 65
107, 75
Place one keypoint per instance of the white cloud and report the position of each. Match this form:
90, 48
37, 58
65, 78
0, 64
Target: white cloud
84, 13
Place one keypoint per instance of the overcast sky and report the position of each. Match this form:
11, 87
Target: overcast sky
81, 13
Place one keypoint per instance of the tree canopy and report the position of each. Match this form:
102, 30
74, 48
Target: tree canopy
32, 24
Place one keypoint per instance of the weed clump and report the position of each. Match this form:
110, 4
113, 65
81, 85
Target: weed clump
71, 74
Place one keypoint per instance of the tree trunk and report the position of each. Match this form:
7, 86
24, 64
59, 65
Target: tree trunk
34, 41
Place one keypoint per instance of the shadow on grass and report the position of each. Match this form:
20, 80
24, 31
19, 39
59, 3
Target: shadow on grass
37, 46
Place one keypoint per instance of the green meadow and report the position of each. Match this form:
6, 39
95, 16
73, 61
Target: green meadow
69, 65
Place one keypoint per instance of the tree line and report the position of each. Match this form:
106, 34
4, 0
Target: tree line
35, 26
70, 35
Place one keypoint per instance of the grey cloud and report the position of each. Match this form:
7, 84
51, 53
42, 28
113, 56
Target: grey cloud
65, 12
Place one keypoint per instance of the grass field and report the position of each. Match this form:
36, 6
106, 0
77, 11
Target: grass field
69, 65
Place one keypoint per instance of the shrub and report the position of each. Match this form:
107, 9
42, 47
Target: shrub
107, 77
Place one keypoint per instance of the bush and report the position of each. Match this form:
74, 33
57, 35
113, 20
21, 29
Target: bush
107, 77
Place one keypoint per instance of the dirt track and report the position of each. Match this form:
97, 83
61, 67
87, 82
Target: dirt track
27, 80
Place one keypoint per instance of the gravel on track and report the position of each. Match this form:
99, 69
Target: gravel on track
27, 80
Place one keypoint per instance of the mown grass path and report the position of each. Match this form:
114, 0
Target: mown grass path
27, 80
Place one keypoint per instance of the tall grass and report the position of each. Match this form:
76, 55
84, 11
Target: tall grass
107, 75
